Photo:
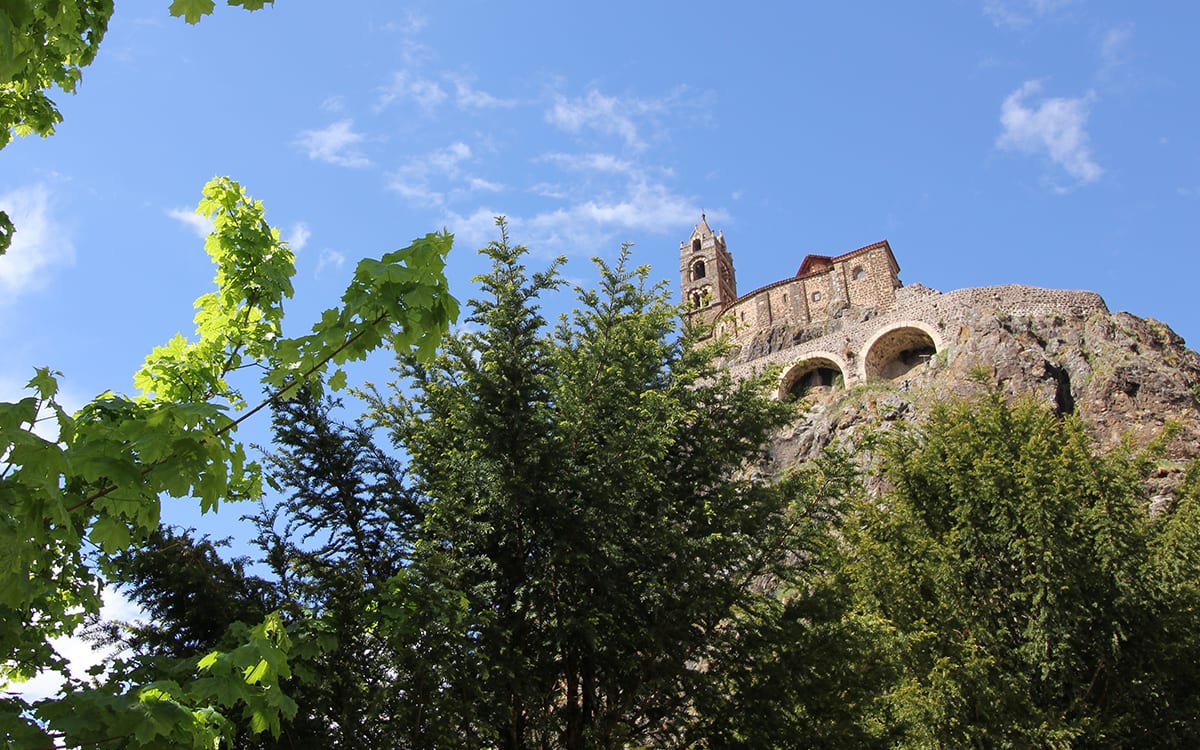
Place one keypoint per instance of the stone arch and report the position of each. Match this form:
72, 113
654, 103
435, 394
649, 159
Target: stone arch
816, 370
898, 349
698, 269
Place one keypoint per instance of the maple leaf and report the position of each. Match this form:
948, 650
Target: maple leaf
192, 10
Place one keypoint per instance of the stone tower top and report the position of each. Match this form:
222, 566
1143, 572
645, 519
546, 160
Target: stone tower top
707, 278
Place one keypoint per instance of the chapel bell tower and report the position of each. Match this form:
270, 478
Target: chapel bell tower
706, 276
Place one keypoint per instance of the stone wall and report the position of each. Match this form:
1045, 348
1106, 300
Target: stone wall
868, 343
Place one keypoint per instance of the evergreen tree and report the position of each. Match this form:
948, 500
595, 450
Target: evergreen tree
1009, 574
594, 497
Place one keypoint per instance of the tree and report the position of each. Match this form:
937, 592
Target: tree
336, 548
46, 44
96, 484
595, 496
1011, 580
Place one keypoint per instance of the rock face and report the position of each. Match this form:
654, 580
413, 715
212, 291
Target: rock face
1126, 377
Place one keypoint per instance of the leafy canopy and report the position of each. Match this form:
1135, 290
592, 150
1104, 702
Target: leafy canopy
96, 484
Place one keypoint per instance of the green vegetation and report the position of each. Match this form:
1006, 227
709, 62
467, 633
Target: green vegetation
556, 535
1025, 597
94, 489
580, 549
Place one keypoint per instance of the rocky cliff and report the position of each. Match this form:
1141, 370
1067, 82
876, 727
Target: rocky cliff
1126, 377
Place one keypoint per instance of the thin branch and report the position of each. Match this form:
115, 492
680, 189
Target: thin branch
261, 405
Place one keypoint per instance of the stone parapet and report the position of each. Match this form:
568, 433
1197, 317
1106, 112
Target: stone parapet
870, 343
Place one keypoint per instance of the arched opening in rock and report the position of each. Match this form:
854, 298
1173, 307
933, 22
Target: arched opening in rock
898, 353
812, 376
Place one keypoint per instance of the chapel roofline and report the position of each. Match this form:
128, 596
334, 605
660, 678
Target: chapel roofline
811, 259
803, 274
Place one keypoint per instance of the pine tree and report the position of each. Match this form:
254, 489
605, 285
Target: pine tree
594, 495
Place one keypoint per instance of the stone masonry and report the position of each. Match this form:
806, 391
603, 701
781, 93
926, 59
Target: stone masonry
845, 319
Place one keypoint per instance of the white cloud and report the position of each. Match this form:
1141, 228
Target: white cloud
80, 654
467, 97
478, 183
448, 159
1114, 48
427, 94
298, 237
428, 179
334, 144
201, 225
13, 389
591, 163
475, 229
39, 244
329, 259
1055, 127
587, 227
646, 207
1015, 14
595, 111
412, 23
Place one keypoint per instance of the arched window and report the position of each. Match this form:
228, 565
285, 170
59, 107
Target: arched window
698, 270
697, 298
859, 273
696, 245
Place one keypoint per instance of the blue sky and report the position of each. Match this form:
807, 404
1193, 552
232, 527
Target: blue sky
1045, 142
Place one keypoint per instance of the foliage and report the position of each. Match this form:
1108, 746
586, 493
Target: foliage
594, 497
97, 483
1011, 576
796, 675
338, 548
46, 44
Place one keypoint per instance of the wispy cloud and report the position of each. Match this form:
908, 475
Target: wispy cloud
335, 144
467, 96
1114, 49
13, 389
1016, 14
430, 93
428, 179
334, 104
39, 244
609, 115
412, 52
425, 92
591, 162
1054, 126
412, 23
478, 183
202, 226
329, 259
588, 226
80, 654
298, 237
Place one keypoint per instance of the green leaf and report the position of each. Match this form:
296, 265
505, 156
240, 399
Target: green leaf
255, 673
111, 534
192, 10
